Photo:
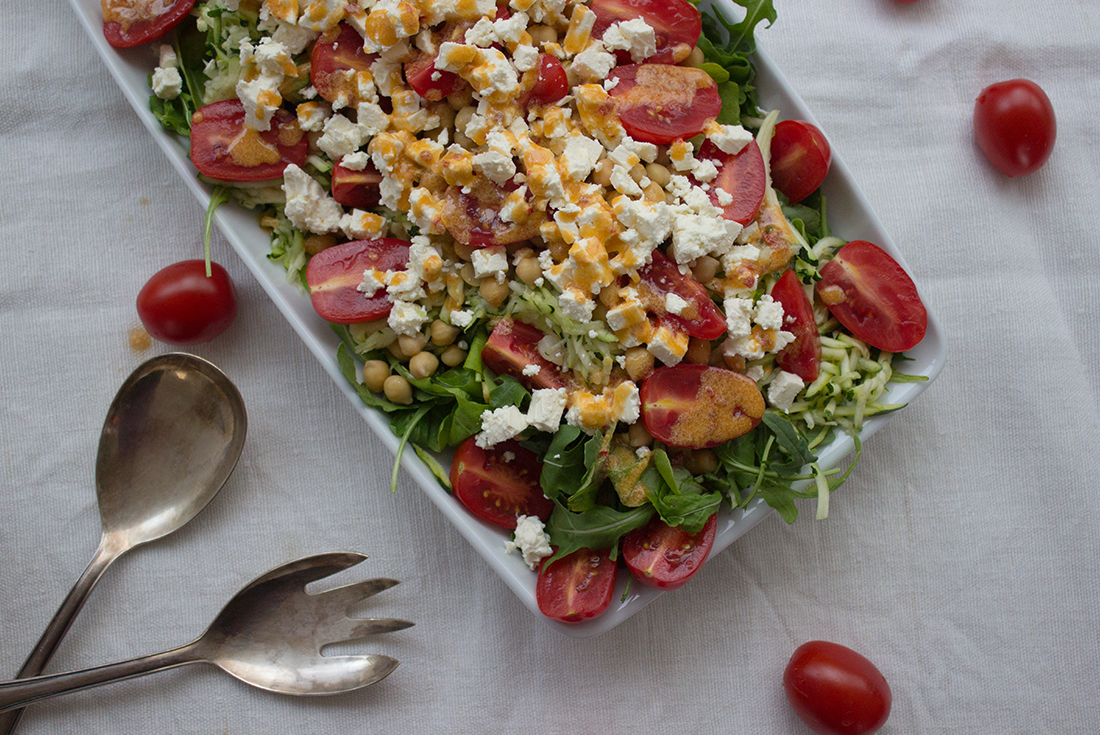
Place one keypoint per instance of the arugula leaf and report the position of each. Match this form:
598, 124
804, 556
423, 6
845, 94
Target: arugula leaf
600, 527
563, 462
739, 36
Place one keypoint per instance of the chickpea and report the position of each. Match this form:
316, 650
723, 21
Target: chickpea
442, 333
461, 99
696, 58
559, 250
528, 269
639, 363
375, 373
398, 390
453, 356
423, 364
541, 34
466, 273
698, 352
705, 269
700, 461
493, 291
654, 192
602, 173
637, 172
314, 244
463, 251
411, 344
464, 116
638, 435
658, 174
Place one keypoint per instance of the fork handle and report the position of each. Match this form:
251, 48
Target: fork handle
21, 692
109, 550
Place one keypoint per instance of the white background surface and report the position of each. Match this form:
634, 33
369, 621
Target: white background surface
960, 557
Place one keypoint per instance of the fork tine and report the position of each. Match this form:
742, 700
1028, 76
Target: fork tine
311, 568
341, 598
351, 629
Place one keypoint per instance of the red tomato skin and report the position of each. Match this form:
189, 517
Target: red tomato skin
551, 84
495, 489
577, 587
215, 126
803, 356
180, 305
701, 318
660, 103
512, 346
334, 274
742, 175
336, 52
880, 303
715, 415
666, 557
123, 33
358, 189
800, 159
1014, 126
429, 82
676, 24
835, 690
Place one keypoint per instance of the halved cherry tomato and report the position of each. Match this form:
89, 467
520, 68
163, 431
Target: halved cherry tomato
337, 52
835, 690
1014, 126
499, 484
873, 297
223, 147
696, 406
471, 215
513, 346
741, 175
700, 318
421, 74
576, 587
335, 273
658, 103
800, 159
134, 22
360, 189
181, 305
803, 356
664, 556
676, 25
551, 82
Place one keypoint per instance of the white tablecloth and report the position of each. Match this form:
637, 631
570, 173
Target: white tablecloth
960, 557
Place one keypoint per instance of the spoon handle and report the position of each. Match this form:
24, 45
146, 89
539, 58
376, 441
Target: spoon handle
21, 692
44, 650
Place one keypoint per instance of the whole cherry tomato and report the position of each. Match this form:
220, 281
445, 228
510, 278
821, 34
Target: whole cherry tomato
835, 690
181, 305
1014, 126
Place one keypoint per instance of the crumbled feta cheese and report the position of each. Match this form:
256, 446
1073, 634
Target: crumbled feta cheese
546, 409
407, 317
576, 305
580, 156
531, 540
738, 316
356, 161
593, 64
167, 82
783, 389
634, 35
500, 425
731, 138
532, 369
341, 137
308, 206
674, 303
462, 318
769, 313
491, 261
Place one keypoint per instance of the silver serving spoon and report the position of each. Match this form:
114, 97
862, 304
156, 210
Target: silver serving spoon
270, 635
170, 440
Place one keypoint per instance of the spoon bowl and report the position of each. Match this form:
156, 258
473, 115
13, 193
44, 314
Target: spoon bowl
171, 438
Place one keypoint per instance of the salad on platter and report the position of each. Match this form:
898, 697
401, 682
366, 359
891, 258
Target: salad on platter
561, 244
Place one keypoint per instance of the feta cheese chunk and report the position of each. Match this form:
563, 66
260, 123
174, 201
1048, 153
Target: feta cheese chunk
783, 389
530, 540
546, 409
500, 425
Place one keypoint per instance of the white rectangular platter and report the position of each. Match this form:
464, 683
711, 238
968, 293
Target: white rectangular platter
850, 217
